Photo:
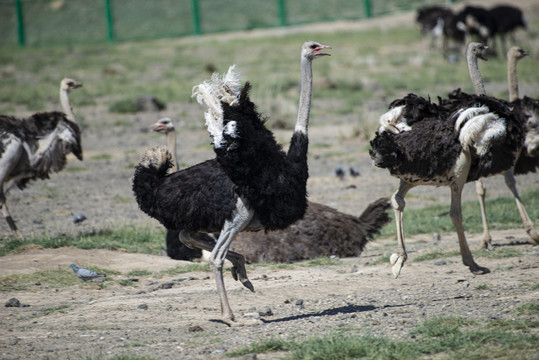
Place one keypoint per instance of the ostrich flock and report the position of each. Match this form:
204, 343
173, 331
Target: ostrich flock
458, 27
249, 203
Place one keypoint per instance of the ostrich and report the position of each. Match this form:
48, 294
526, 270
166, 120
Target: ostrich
33, 147
458, 141
323, 231
527, 112
175, 248
267, 187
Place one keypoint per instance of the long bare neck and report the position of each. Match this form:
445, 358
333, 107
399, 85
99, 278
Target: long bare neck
171, 144
302, 123
475, 75
512, 78
66, 106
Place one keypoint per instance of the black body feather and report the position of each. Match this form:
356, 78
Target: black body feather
198, 198
428, 151
274, 182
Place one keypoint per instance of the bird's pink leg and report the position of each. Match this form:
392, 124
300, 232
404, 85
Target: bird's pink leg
481, 192
242, 217
528, 225
207, 242
461, 170
397, 201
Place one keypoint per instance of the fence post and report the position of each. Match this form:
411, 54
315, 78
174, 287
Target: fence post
282, 12
110, 24
196, 17
20, 23
367, 6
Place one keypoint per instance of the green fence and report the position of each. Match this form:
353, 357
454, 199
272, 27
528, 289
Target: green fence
69, 22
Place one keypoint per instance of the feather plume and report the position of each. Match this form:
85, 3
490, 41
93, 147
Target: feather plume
218, 89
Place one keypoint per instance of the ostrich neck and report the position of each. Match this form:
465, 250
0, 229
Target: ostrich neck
475, 75
512, 79
64, 100
304, 109
171, 144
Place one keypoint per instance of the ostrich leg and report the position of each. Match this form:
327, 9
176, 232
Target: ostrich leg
481, 192
7, 215
207, 242
461, 170
241, 218
528, 225
398, 203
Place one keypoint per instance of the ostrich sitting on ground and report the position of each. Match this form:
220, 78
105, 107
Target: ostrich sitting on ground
323, 231
33, 147
458, 141
267, 187
527, 112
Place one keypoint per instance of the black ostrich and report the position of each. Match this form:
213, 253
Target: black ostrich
267, 187
527, 112
34, 147
323, 231
506, 19
458, 141
175, 248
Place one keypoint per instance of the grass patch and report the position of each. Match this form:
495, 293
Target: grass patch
444, 338
502, 214
182, 269
51, 278
139, 240
528, 309
500, 253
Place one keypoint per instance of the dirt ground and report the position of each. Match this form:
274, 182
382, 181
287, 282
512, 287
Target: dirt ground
181, 320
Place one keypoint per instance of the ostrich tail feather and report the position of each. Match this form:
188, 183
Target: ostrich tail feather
213, 92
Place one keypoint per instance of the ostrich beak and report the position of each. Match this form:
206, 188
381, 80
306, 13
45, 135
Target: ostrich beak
157, 127
483, 55
318, 52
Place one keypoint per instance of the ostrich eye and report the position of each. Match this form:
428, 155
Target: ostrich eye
314, 46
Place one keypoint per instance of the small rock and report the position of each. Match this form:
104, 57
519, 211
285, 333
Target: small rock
166, 285
195, 328
265, 311
14, 302
143, 306
78, 218
440, 263
299, 302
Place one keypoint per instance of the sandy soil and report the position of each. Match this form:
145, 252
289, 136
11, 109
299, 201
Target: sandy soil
182, 321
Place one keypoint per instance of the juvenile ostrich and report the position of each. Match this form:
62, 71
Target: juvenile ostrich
527, 112
34, 147
458, 141
267, 188
323, 231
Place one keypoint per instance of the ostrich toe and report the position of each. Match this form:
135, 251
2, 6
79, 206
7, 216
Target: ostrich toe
397, 261
239, 272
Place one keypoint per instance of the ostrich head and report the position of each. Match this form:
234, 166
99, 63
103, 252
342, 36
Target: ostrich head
516, 52
69, 84
311, 50
478, 50
163, 125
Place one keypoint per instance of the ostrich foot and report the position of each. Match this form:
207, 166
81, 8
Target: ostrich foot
487, 244
241, 322
478, 270
534, 237
239, 272
397, 261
